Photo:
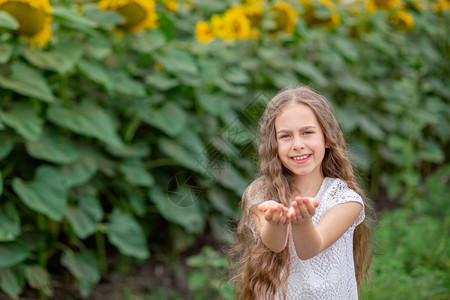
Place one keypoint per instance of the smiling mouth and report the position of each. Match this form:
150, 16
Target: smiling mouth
301, 157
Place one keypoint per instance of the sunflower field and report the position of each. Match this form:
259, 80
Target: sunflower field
127, 132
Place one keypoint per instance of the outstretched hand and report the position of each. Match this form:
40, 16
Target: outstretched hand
302, 209
274, 212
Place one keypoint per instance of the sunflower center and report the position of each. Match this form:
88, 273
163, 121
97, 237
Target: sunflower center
133, 14
31, 20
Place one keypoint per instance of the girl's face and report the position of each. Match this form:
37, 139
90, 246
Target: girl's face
300, 141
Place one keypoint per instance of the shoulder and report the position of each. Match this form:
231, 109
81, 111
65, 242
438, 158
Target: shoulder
339, 192
255, 192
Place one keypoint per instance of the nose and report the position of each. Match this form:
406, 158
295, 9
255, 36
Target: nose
298, 143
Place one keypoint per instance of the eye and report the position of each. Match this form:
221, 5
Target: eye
308, 132
284, 136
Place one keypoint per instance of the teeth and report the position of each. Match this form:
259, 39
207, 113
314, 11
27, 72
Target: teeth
300, 157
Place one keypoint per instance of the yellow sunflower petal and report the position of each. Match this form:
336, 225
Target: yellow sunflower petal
34, 18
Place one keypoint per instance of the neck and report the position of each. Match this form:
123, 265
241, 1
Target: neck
308, 186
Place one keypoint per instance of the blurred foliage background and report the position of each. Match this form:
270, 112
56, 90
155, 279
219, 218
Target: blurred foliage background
127, 132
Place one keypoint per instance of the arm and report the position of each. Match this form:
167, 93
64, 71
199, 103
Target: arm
271, 222
309, 240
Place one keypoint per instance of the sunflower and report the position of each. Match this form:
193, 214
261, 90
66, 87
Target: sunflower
138, 14
254, 13
204, 31
329, 19
402, 20
34, 18
440, 6
237, 25
171, 5
384, 4
285, 17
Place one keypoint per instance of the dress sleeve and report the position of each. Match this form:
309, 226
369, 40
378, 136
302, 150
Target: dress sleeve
253, 196
345, 194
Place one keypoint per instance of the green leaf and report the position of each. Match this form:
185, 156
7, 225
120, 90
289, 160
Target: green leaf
7, 21
310, 71
84, 267
23, 118
5, 51
1, 183
61, 59
97, 46
104, 18
12, 253
190, 217
170, 118
84, 218
11, 282
9, 222
128, 86
38, 278
67, 14
353, 84
147, 41
135, 173
371, 128
181, 155
46, 194
179, 61
96, 73
431, 152
6, 144
79, 172
237, 76
27, 81
54, 148
86, 119
161, 81
221, 201
345, 48
125, 233
214, 104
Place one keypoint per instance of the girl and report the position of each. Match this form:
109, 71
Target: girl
302, 233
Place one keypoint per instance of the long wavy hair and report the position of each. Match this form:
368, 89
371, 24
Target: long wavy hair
257, 272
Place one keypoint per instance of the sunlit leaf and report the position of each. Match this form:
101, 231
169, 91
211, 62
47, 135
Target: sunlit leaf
5, 52
46, 194
135, 173
87, 119
23, 118
11, 281
126, 234
9, 222
170, 118
310, 71
27, 81
53, 147
7, 21
71, 16
96, 73
179, 61
128, 86
12, 253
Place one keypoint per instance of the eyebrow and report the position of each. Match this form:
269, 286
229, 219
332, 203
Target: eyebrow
301, 129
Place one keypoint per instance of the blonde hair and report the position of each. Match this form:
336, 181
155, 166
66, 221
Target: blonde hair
257, 271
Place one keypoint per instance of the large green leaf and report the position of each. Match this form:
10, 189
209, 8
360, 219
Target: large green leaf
71, 16
54, 148
128, 86
27, 81
80, 172
174, 209
7, 21
179, 61
5, 52
147, 41
353, 84
11, 281
84, 267
170, 118
9, 222
62, 58
106, 19
214, 104
371, 128
12, 253
135, 173
138, 150
310, 71
96, 73
46, 194
85, 217
195, 162
126, 234
87, 119
23, 118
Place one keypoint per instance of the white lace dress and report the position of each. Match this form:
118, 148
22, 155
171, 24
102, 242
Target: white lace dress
330, 275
